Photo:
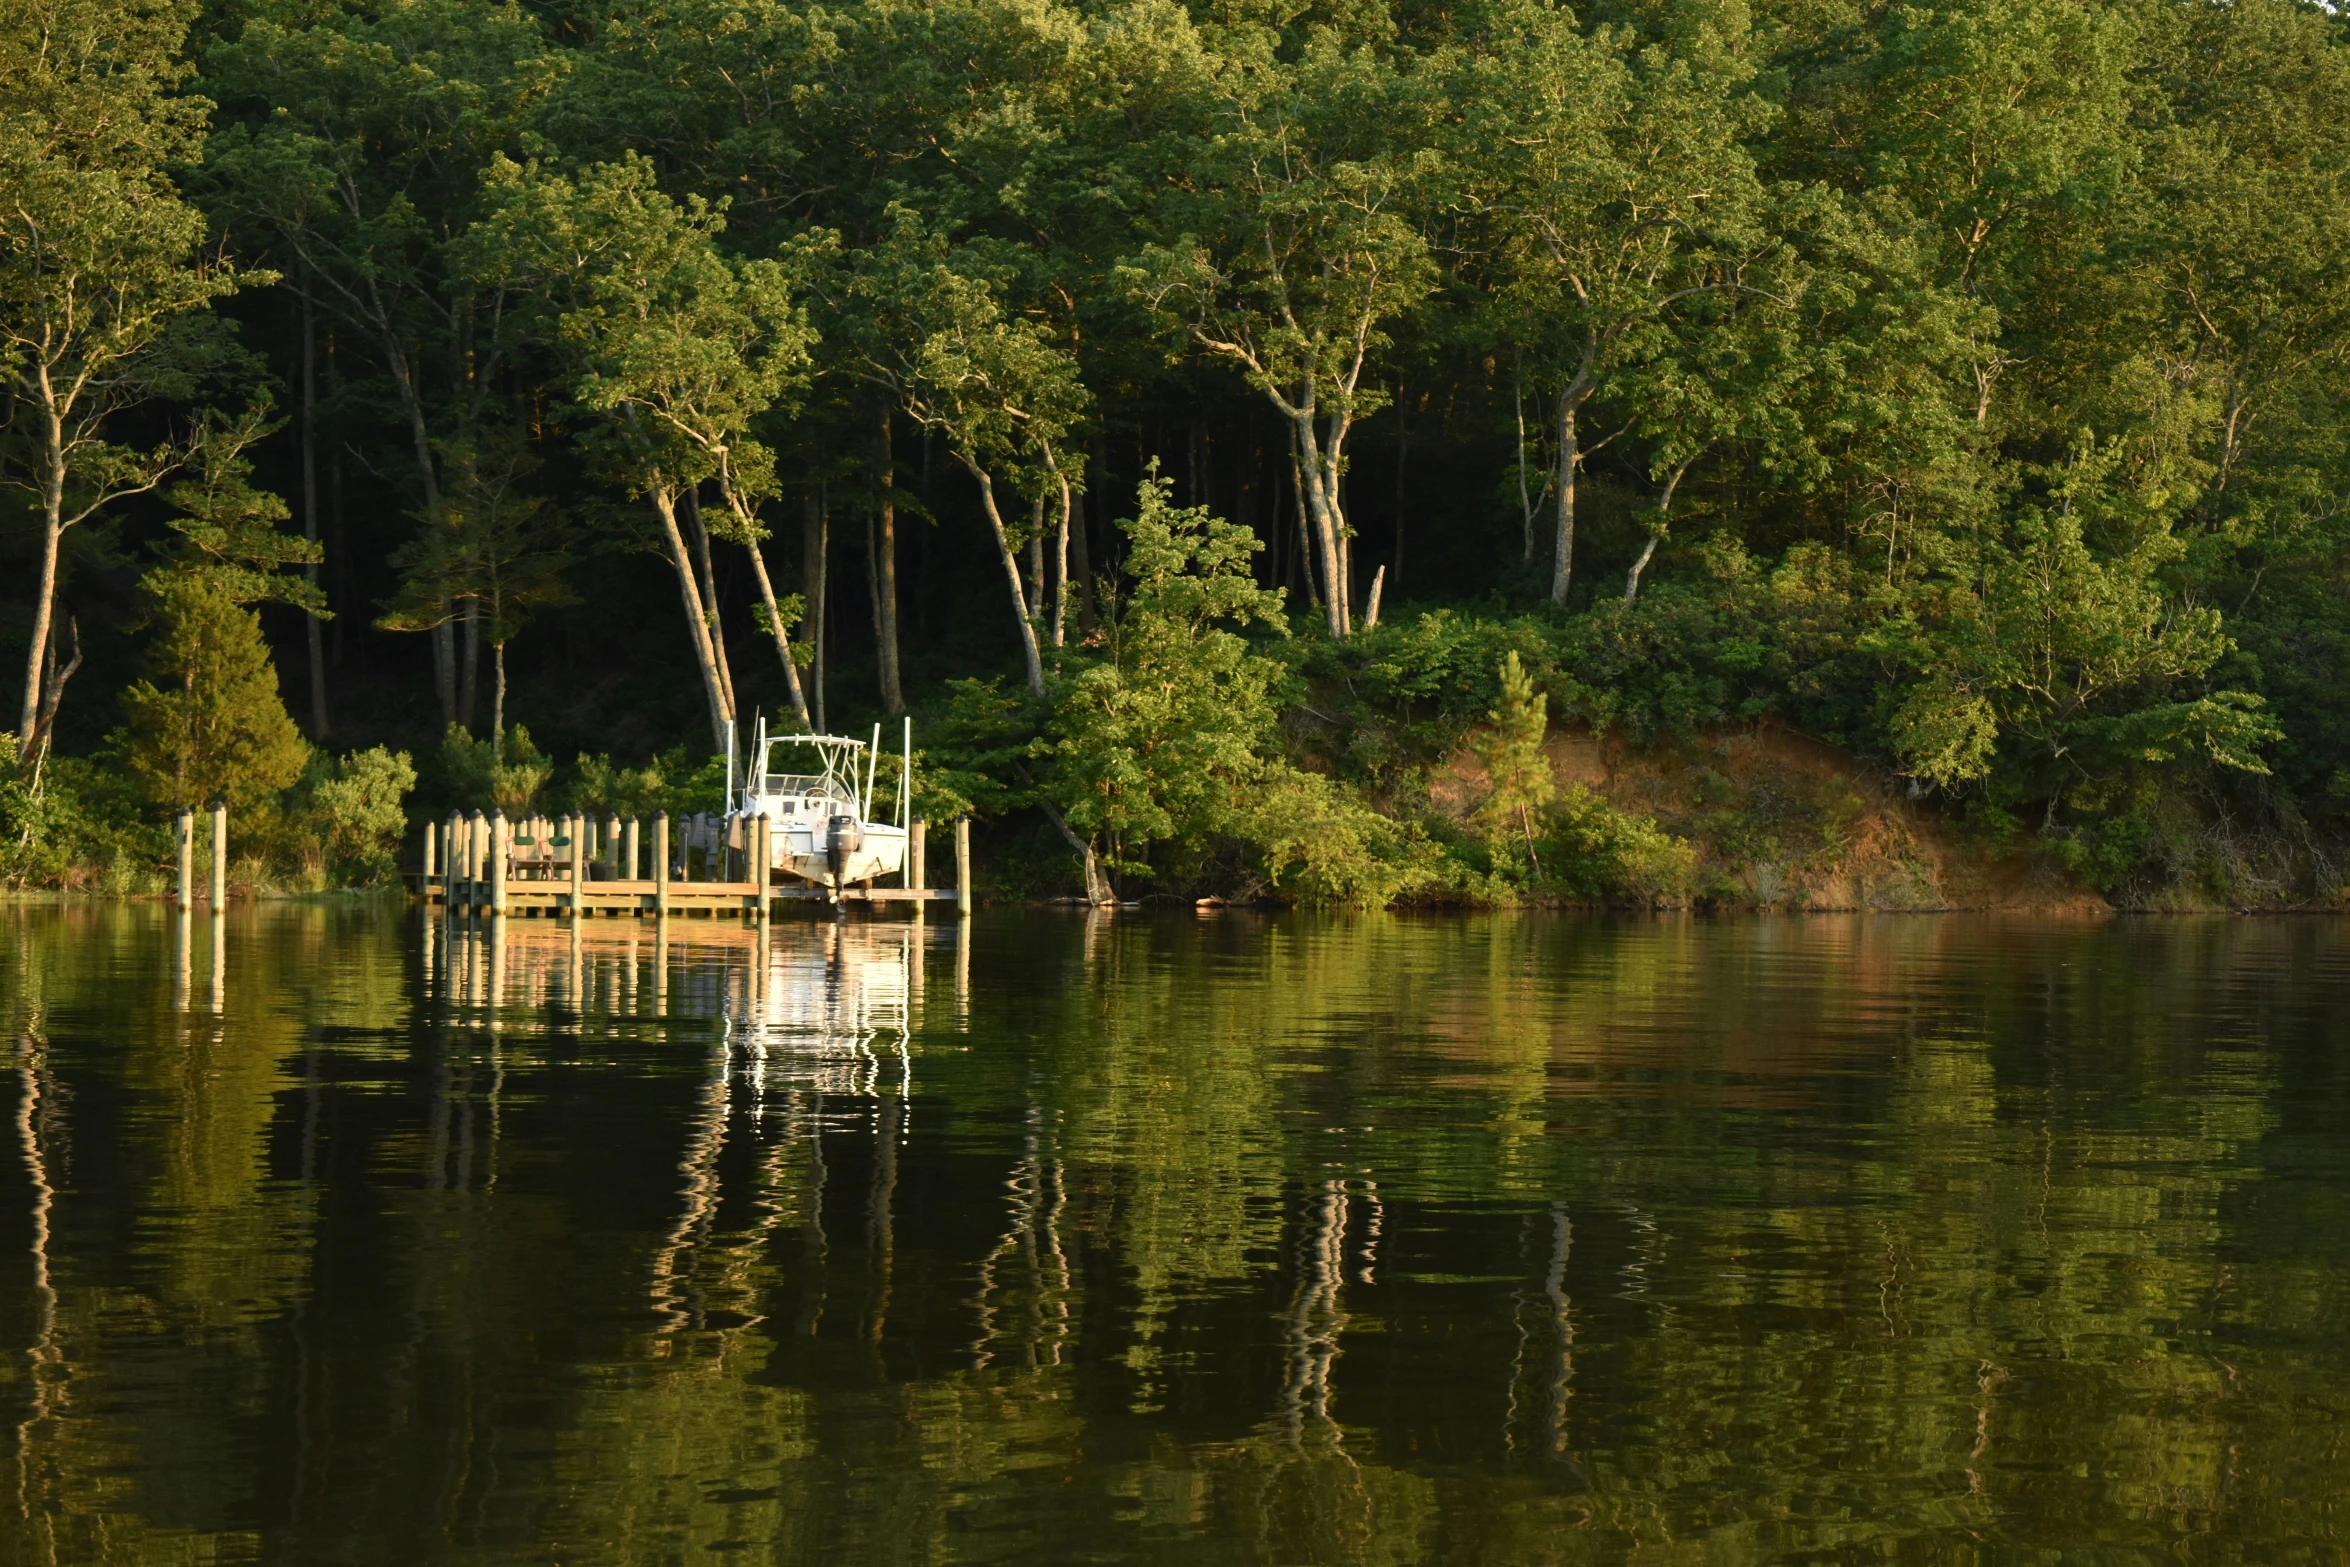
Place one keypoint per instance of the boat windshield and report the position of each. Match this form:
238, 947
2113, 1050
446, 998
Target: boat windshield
809, 784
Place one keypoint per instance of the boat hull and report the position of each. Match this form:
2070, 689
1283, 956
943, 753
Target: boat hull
806, 853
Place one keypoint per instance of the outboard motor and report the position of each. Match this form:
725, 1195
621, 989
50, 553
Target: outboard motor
844, 835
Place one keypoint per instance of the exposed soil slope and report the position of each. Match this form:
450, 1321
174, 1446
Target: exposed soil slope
1780, 820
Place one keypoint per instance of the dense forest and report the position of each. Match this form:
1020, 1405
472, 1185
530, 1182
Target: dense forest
1207, 421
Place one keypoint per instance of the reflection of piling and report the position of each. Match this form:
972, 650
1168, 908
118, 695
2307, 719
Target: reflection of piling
660, 961
430, 953
219, 855
962, 976
962, 865
185, 825
181, 935
497, 985
219, 961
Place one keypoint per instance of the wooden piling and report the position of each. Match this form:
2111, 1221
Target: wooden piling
219, 855
185, 823
579, 846
501, 837
661, 864
917, 850
762, 835
612, 848
962, 865
426, 865
635, 860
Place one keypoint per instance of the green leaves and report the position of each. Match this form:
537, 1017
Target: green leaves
231, 531
1165, 738
2077, 656
675, 348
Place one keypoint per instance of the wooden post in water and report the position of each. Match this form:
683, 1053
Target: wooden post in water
451, 866
185, 824
219, 855
579, 846
501, 836
612, 846
661, 864
424, 882
762, 832
962, 865
917, 849
634, 860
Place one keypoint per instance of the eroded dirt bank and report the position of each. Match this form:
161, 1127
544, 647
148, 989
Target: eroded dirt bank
1779, 820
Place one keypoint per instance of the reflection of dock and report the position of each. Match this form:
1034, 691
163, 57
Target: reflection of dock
793, 987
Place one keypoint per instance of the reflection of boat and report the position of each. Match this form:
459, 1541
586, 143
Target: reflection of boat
824, 1008
821, 828
814, 991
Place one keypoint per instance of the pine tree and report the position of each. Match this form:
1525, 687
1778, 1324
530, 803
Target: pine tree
1512, 754
207, 722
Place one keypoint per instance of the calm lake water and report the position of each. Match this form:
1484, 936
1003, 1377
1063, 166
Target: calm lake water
327, 1235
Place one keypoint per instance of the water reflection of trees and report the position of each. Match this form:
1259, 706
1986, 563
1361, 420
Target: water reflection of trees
1379, 1241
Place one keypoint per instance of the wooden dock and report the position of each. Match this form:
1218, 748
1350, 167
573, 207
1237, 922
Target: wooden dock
574, 867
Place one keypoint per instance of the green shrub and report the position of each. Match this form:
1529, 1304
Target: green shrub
1594, 850
355, 811
481, 775
1317, 838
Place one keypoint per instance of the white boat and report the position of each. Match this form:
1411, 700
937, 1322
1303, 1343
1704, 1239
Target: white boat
821, 826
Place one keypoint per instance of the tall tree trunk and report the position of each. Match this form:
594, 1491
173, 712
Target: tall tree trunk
53, 692
1525, 501
1562, 566
1036, 562
1080, 540
1061, 569
469, 669
700, 536
29, 725
689, 594
337, 557
443, 635
498, 698
893, 692
816, 547
1570, 461
1305, 532
1664, 508
873, 581
314, 629
1317, 472
1003, 544
782, 633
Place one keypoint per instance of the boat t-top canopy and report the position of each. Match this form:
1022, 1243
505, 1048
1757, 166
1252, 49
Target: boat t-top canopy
846, 774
